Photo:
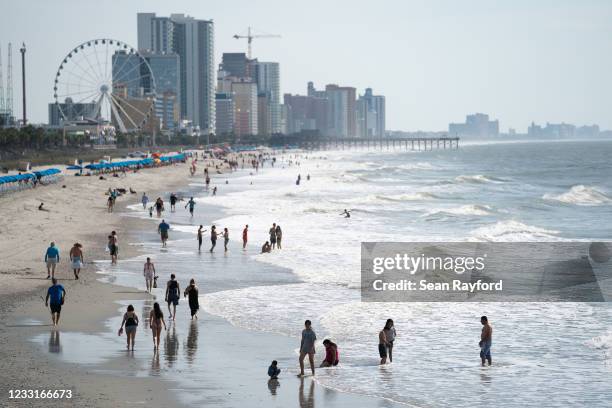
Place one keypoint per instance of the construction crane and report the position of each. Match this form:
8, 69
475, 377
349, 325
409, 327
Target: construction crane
250, 37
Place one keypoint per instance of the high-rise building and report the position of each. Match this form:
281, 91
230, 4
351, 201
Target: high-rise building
263, 114
193, 41
127, 75
236, 64
477, 125
371, 115
267, 77
155, 34
306, 113
71, 111
342, 110
166, 71
226, 110
245, 99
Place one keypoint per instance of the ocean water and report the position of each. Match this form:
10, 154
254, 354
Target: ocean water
545, 354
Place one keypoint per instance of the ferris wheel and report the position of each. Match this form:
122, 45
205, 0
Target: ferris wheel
106, 81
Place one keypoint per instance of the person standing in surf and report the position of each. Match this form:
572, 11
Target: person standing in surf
279, 236
390, 337
213, 238
486, 337
273, 236
307, 347
201, 231
245, 236
225, 236
144, 200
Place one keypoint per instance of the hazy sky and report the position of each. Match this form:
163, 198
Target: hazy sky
435, 61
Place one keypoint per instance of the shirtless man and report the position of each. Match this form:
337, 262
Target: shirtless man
383, 345
485, 340
149, 274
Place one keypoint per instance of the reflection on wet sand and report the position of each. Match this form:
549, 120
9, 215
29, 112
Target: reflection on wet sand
273, 384
486, 379
191, 345
54, 342
171, 345
155, 367
306, 401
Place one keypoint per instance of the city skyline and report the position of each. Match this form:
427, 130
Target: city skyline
434, 62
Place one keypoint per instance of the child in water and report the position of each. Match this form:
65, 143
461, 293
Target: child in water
273, 370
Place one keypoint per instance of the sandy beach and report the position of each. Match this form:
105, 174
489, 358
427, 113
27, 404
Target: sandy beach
77, 213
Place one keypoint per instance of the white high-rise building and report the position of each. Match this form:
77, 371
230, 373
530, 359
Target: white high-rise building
245, 103
267, 77
193, 41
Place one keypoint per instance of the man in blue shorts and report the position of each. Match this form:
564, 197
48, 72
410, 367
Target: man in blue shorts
485, 341
163, 231
56, 295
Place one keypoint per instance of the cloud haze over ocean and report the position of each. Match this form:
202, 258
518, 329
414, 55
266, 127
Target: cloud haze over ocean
435, 61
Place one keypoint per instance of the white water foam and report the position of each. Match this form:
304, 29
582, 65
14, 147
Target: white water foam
580, 195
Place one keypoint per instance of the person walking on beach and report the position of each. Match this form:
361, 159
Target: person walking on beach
113, 246
172, 295
173, 200
331, 354
192, 292
159, 206
390, 338
163, 232
245, 236
307, 347
486, 337
130, 321
144, 200
191, 203
110, 203
56, 294
149, 274
279, 236
76, 259
213, 238
156, 322
52, 257
225, 236
273, 235
201, 231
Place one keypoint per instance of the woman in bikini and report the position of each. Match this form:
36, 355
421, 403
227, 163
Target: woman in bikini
156, 322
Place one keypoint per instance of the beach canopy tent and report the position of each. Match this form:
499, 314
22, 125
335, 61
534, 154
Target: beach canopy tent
74, 167
44, 173
134, 163
27, 180
16, 178
175, 157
